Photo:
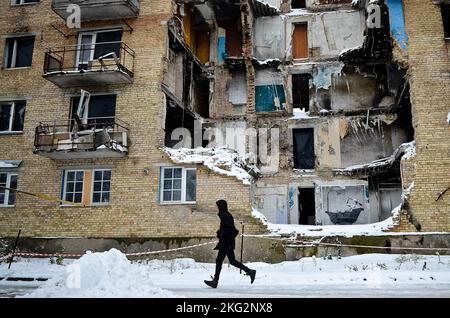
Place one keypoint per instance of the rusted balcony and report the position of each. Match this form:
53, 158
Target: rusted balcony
92, 64
99, 138
92, 10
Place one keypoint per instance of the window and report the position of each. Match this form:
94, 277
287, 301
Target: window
89, 187
179, 185
19, 52
300, 91
298, 4
7, 197
446, 19
100, 112
12, 116
304, 157
102, 186
93, 45
19, 2
300, 41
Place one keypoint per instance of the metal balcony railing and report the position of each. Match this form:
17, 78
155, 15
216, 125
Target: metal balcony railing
100, 133
106, 56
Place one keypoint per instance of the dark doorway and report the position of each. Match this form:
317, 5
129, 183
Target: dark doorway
304, 157
306, 206
300, 91
298, 4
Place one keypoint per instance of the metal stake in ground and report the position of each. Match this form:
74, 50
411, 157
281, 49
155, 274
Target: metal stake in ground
242, 245
14, 249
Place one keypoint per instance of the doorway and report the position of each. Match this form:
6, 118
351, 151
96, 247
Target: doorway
306, 206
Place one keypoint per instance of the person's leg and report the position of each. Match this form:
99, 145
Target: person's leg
219, 260
236, 263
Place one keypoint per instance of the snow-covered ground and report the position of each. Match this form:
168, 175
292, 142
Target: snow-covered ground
109, 274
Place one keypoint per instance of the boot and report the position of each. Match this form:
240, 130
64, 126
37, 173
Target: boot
252, 274
211, 283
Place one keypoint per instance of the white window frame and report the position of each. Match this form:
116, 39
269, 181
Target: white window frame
183, 186
65, 187
11, 118
92, 189
14, 54
22, 2
8, 185
93, 44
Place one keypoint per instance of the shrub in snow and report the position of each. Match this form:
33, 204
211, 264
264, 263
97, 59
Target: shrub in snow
107, 274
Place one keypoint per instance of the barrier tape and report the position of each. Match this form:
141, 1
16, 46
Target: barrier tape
126, 254
43, 196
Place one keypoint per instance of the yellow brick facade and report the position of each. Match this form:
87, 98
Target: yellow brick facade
134, 210
429, 73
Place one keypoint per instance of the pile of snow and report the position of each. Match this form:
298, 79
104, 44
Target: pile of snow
221, 160
107, 274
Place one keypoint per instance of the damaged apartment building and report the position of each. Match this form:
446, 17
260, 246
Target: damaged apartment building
331, 81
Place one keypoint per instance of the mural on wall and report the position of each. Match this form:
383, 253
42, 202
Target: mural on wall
348, 216
344, 204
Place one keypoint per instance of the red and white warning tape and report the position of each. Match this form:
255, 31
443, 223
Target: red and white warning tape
127, 254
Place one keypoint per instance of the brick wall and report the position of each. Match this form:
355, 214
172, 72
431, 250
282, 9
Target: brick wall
134, 210
429, 72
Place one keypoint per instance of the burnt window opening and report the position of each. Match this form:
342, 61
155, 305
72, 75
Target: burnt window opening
298, 4
101, 111
445, 9
300, 91
306, 206
201, 100
178, 117
304, 157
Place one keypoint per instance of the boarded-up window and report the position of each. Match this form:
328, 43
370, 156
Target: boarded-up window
446, 19
304, 157
300, 41
300, 91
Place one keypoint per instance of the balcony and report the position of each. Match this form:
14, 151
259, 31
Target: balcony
92, 10
93, 64
100, 138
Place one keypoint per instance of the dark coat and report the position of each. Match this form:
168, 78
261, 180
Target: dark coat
227, 231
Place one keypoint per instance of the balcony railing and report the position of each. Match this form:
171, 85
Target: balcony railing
89, 64
92, 10
101, 137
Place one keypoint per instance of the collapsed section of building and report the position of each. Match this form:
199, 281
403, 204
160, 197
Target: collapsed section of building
323, 74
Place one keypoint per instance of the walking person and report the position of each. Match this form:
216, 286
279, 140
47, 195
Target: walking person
226, 235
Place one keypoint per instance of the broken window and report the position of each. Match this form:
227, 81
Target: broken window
19, 52
97, 44
306, 206
7, 197
446, 19
304, 157
91, 186
300, 41
100, 112
12, 116
179, 185
298, 4
19, 2
300, 91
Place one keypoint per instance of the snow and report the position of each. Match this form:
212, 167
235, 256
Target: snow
373, 229
448, 118
221, 160
381, 275
300, 114
4, 164
107, 274
267, 61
